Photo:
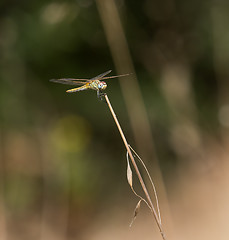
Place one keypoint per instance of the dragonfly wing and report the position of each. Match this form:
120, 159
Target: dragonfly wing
70, 81
100, 76
122, 75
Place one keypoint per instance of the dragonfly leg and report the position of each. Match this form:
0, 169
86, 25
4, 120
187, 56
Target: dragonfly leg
100, 95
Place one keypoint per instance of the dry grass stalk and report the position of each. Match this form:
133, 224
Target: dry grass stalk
130, 152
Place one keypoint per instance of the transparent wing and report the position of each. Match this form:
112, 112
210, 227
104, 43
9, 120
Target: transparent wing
80, 81
70, 81
100, 76
117, 76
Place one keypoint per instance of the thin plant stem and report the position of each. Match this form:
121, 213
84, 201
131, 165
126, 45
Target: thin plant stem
135, 167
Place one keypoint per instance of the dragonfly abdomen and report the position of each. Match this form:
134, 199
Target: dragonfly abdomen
85, 87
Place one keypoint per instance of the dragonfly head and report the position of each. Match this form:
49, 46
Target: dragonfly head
102, 86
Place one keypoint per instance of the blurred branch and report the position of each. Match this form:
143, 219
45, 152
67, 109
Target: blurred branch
131, 91
3, 220
130, 87
220, 20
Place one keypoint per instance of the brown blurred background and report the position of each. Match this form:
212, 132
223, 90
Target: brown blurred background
62, 161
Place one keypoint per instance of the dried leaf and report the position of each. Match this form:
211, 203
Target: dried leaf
151, 181
136, 211
129, 174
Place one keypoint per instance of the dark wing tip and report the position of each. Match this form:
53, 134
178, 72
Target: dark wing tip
57, 81
107, 72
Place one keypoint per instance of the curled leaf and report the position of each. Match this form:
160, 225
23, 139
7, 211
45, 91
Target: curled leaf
129, 174
130, 181
136, 211
151, 181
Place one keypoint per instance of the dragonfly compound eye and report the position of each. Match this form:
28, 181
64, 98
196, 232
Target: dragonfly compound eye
102, 85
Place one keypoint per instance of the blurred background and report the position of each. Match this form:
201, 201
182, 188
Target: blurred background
62, 161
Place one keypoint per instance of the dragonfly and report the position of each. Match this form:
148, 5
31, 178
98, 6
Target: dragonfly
95, 83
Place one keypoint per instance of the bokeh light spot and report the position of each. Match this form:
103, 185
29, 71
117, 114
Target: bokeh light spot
224, 115
71, 134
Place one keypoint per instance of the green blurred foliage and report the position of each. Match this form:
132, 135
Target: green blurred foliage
55, 145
